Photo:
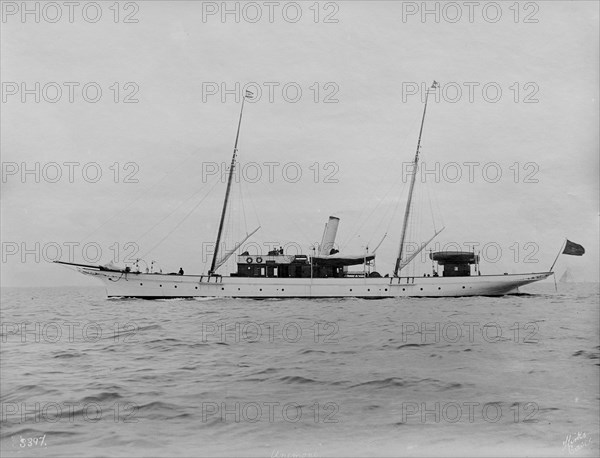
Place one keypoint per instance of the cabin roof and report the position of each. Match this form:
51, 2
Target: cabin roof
454, 257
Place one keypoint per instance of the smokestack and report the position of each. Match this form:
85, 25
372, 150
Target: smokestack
329, 235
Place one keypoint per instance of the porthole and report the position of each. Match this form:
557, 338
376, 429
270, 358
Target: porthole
386, 289
421, 289
260, 289
222, 289
141, 284
238, 289
439, 287
282, 289
160, 286
403, 289
463, 287
196, 287
350, 289
175, 286
368, 289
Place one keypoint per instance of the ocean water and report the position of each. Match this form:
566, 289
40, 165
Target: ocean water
83, 375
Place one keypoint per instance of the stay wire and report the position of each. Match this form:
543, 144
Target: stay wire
194, 194
144, 193
180, 223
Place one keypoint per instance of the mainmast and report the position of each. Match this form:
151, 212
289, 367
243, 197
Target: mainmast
412, 184
229, 179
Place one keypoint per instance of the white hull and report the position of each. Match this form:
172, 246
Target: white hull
169, 286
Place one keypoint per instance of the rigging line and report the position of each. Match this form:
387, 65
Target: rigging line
144, 192
178, 224
364, 221
415, 218
232, 227
435, 202
241, 190
415, 222
428, 188
228, 225
393, 212
226, 234
393, 185
401, 145
395, 159
194, 194
418, 234
283, 208
235, 236
253, 205
373, 233
387, 230
439, 212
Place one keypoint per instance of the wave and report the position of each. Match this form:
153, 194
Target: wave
308, 352
412, 345
383, 383
297, 379
105, 396
397, 382
588, 354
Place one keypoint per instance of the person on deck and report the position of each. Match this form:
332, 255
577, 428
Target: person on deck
181, 271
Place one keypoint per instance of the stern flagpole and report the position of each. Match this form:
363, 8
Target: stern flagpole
562, 247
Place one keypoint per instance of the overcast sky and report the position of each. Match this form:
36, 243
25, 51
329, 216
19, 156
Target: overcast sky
335, 148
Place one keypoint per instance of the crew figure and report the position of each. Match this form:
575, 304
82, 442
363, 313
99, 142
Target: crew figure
181, 271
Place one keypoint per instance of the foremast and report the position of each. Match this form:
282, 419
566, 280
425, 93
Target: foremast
212, 270
412, 185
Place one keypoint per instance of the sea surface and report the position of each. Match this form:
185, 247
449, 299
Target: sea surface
83, 375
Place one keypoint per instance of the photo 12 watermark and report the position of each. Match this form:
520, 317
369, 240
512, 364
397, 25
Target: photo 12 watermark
272, 172
270, 411
472, 91
69, 92
468, 411
27, 252
53, 332
469, 332
118, 12
324, 332
70, 172
253, 250
470, 12
487, 251
31, 412
271, 91
270, 12
472, 172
